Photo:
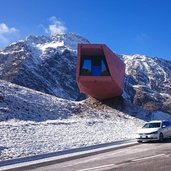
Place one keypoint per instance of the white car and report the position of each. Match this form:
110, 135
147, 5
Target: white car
154, 130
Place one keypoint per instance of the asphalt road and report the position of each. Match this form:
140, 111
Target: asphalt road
145, 156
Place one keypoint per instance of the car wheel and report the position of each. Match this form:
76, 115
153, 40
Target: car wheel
161, 137
139, 141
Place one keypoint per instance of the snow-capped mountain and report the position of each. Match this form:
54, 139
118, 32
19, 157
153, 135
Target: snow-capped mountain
48, 64
43, 63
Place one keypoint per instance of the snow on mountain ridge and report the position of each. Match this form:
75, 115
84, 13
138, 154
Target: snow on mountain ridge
50, 45
69, 40
153, 70
47, 64
40, 45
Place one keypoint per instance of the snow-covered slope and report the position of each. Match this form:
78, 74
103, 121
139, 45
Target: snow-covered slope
33, 123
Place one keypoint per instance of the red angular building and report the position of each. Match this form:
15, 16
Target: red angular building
100, 73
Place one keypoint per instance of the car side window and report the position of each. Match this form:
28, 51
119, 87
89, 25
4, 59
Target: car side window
166, 124
169, 123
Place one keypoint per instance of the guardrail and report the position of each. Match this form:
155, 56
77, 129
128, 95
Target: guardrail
61, 156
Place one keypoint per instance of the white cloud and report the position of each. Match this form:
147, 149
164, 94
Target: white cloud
56, 26
7, 34
5, 29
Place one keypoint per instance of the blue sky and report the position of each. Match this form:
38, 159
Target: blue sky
126, 26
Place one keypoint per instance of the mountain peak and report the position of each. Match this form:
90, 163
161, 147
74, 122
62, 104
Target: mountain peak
70, 40
37, 39
67, 40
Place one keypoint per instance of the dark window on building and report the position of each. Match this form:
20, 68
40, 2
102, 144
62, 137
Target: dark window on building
86, 67
94, 66
105, 71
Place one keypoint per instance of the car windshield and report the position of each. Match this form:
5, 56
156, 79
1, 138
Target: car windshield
152, 125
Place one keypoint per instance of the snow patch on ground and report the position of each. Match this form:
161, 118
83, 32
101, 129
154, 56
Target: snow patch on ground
34, 123
24, 138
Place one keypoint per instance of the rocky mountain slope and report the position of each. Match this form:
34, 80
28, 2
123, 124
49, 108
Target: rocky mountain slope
48, 64
148, 82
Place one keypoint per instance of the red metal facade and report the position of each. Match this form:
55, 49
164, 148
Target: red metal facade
100, 87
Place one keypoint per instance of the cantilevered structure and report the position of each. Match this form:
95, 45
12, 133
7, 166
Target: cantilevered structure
100, 73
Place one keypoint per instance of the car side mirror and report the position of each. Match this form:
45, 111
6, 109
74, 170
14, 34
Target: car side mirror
164, 126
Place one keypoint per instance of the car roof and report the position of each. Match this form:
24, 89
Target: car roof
157, 121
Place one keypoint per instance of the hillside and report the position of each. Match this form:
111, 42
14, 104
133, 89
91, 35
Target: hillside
33, 123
